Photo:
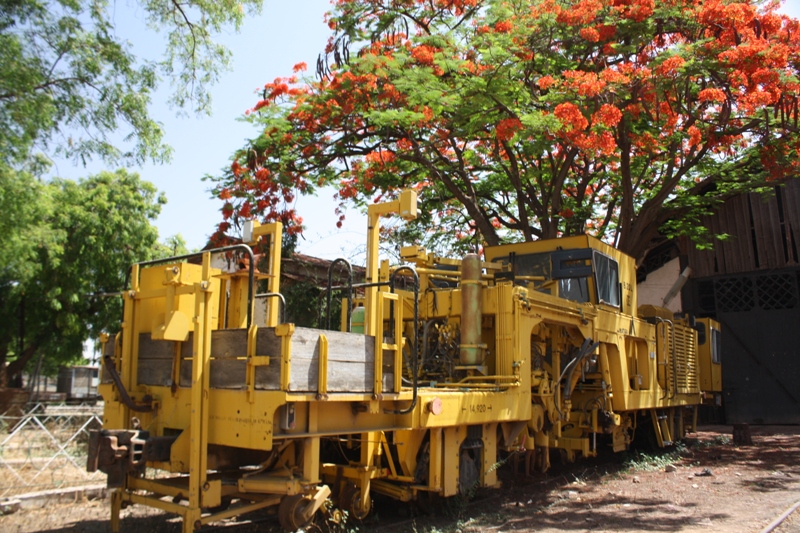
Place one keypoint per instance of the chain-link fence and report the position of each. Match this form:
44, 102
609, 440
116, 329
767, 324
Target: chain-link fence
45, 448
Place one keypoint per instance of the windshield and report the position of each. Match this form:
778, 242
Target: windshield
566, 273
536, 270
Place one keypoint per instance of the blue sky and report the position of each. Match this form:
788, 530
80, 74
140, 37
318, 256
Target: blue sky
286, 33
269, 45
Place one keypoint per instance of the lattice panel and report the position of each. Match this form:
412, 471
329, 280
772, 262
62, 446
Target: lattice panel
734, 295
777, 291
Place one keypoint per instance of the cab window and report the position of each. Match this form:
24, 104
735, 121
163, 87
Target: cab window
716, 346
606, 272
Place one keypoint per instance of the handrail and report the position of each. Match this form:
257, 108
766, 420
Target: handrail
280, 297
329, 290
414, 351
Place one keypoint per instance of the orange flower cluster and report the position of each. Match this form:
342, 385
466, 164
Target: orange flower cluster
405, 144
585, 83
670, 66
545, 82
424, 54
602, 143
507, 127
612, 75
571, 117
608, 115
380, 157
582, 13
503, 26
711, 94
590, 34
695, 136
637, 10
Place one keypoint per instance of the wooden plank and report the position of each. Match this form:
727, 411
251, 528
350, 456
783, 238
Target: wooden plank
775, 229
155, 372
715, 254
769, 224
155, 361
793, 214
719, 254
155, 349
706, 257
350, 361
766, 249
730, 245
343, 376
744, 233
350, 347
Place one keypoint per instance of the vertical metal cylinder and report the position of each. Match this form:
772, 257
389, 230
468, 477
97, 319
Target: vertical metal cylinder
471, 313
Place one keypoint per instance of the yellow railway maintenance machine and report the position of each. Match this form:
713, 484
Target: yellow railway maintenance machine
209, 415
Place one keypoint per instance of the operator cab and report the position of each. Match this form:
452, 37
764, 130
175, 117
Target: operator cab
581, 269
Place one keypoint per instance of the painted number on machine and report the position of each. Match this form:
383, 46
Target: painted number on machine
479, 408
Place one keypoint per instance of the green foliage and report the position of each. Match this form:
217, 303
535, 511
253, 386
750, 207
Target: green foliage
53, 287
648, 462
302, 303
69, 83
305, 299
172, 246
192, 59
25, 203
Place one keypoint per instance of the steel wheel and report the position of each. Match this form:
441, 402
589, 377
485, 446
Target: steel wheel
291, 512
350, 501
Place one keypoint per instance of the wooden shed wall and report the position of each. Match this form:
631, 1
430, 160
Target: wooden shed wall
763, 234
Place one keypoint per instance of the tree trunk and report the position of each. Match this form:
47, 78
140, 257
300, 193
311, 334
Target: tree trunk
3, 374
14, 369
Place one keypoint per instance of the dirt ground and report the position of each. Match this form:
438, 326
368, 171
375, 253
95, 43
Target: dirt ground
714, 486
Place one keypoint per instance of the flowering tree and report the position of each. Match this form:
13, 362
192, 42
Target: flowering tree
520, 119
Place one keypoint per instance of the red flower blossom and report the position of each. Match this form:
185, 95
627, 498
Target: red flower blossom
545, 82
695, 137
608, 115
504, 26
711, 95
571, 117
590, 34
670, 66
424, 54
507, 127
